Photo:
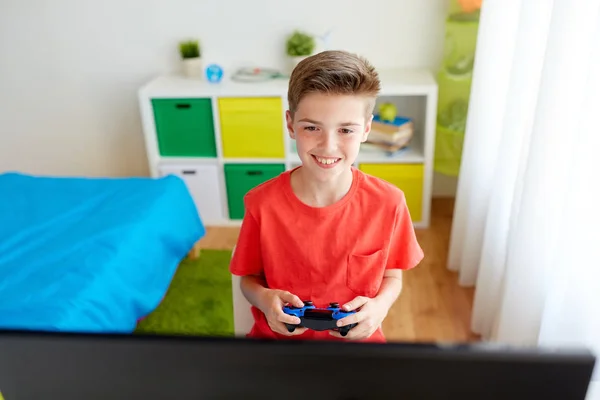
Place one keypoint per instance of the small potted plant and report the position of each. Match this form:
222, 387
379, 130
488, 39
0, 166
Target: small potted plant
299, 46
191, 57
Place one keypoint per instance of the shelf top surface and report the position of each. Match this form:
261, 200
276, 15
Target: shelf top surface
393, 82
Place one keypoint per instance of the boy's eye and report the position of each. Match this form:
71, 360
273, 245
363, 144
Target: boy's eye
310, 128
346, 130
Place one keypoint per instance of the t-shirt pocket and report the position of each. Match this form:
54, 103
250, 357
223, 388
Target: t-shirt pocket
365, 273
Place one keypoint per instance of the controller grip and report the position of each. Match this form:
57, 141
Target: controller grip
346, 328
290, 327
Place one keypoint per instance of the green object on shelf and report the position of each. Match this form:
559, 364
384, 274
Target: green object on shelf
199, 300
185, 127
388, 112
454, 89
240, 178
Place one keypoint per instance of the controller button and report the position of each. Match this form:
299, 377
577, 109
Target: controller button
334, 305
308, 303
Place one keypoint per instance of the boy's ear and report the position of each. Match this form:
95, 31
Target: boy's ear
367, 129
289, 123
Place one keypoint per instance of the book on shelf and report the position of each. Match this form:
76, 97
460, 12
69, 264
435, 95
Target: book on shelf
370, 148
391, 136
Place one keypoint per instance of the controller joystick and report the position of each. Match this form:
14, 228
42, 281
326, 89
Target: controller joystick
319, 319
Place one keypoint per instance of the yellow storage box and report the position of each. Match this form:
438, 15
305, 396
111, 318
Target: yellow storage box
407, 177
252, 127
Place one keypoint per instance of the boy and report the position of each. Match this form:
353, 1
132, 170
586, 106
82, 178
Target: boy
325, 231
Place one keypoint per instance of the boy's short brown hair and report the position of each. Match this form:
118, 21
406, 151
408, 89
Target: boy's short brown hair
334, 72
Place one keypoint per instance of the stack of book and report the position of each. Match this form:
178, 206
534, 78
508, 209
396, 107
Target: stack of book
391, 136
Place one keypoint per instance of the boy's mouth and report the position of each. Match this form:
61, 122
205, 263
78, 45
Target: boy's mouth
326, 161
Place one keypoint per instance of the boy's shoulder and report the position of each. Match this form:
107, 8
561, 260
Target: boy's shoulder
265, 190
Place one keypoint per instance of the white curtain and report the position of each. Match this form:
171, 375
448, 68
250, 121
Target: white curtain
526, 229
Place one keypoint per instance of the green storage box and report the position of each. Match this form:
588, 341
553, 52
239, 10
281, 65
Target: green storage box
185, 127
240, 178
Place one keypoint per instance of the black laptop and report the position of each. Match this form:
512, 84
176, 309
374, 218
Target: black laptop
76, 366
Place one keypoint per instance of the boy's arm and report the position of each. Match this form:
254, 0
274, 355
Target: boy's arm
256, 291
390, 289
254, 288
247, 263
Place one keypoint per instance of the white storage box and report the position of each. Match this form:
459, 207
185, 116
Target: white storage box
204, 184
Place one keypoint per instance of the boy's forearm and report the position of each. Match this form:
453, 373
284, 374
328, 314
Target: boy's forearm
253, 287
390, 289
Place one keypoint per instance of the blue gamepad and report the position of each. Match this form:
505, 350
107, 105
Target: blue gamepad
319, 319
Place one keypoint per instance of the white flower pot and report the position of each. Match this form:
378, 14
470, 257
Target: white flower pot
192, 67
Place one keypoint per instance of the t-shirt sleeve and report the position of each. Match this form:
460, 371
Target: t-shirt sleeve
405, 251
246, 259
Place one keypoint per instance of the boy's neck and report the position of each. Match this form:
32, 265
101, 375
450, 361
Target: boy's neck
320, 194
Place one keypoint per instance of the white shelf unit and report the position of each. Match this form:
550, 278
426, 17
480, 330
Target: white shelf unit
414, 92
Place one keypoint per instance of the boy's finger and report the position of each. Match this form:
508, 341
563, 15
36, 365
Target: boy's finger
287, 297
288, 319
351, 319
353, 334
356, 303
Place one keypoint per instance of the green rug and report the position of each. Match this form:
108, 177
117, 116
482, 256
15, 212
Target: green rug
199, 301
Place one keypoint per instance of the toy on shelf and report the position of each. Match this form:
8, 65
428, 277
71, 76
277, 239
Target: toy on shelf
319, 319
390, 132
257, 74
214, 73
388, 112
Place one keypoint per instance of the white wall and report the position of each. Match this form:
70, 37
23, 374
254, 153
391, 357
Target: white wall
70, 69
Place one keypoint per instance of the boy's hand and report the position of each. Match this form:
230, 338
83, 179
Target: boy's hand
370, 317
274, 300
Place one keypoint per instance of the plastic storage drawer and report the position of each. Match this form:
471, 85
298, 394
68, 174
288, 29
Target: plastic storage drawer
185, 127
407, 177
240, 178
203, 183
252, 127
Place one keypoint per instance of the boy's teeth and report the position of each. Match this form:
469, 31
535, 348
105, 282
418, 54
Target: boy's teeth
326, 160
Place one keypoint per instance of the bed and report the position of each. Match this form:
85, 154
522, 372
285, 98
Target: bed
90, 254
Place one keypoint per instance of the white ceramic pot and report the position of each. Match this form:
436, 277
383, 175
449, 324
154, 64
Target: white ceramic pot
192, 67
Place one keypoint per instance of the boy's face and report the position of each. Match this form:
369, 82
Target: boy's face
328, 130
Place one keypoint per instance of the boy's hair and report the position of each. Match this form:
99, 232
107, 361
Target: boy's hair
334, 72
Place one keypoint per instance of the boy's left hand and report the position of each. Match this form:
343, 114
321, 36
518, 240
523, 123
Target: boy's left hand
369, 318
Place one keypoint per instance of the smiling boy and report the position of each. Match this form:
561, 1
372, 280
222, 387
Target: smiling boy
325, 231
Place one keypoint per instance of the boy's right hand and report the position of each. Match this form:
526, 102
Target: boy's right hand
274, 300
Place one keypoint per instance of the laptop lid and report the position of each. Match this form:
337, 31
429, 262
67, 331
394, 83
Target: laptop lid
36, 365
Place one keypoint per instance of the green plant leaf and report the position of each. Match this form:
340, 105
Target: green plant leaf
189, 49
300, 44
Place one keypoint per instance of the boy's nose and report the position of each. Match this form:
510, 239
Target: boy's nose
329, 141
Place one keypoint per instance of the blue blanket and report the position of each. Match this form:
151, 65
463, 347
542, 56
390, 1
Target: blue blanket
90, 254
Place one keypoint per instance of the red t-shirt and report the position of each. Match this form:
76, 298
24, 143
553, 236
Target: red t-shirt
327, 254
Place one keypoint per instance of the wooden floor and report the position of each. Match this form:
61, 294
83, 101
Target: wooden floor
432, 307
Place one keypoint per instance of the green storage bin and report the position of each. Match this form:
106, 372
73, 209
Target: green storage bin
240, 178
185, 127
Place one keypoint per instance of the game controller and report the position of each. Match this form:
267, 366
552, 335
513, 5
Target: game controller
319, 319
